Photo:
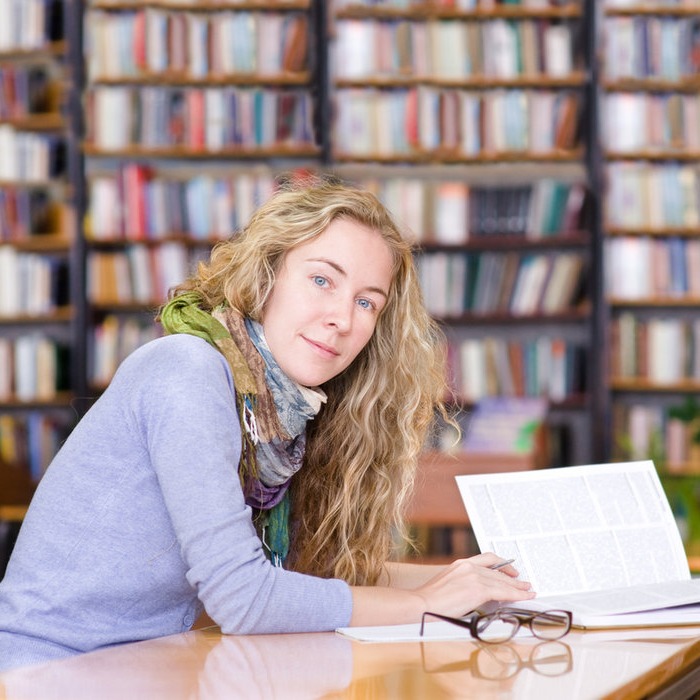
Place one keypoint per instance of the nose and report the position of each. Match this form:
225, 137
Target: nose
339, 314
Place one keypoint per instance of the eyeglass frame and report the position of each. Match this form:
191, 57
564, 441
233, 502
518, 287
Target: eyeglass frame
472, 620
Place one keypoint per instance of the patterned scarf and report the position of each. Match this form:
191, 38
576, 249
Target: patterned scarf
273, 411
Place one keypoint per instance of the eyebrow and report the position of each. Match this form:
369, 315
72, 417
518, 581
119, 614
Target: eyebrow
341, 270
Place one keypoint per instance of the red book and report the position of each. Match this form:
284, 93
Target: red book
195, 120
139, 40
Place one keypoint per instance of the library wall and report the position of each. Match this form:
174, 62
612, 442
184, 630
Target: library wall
542, 155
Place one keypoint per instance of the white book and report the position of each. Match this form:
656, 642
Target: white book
9, 281
501, 49
557, 50
354, 54
473, 369
25, 366
598, 540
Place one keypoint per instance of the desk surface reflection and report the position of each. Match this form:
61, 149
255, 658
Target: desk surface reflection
206, 665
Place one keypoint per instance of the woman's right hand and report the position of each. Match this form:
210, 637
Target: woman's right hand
467, 584
454, 590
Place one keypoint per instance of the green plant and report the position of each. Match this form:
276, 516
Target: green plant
688, 412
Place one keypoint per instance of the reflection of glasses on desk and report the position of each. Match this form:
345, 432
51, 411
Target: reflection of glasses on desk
502, 624
501, 662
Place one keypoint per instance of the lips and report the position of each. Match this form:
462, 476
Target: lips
326, 349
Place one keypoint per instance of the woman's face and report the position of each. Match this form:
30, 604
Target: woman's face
326, 301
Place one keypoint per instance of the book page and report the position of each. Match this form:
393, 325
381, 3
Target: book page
575, 529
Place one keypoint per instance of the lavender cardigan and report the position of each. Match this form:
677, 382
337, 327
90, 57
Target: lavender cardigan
140, 521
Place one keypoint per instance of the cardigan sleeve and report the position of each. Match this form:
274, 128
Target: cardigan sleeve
185, 410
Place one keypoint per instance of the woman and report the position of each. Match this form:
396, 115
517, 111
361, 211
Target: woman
254, 462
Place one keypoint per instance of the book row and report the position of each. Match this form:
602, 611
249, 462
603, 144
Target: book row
451, 212
30, 24
652, 195
137, 203
194, 44
208, 119
646, 46
662, 350
549, 367
112, 340
30, 441
648, 122
138, 274
31, 284
24, 90
501, 283
26, 212
30, 157
465, 123
648, 268
33, 367
449, 50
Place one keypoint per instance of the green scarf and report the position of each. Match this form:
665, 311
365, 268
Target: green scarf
183, 314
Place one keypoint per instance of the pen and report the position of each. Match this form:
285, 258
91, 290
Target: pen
501, 564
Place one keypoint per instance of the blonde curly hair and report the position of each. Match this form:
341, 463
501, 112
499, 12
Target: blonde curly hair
362, 448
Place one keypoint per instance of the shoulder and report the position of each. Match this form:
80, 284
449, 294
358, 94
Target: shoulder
186, 355
180, 347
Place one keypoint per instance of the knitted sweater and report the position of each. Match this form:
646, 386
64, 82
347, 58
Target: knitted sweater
140, 520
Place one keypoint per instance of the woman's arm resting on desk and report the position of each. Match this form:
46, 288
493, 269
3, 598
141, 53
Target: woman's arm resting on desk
454, 589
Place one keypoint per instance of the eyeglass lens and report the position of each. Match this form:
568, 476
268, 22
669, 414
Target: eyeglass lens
550, 625
502, 625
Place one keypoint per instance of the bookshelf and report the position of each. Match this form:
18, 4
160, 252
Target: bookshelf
651, 226
446, 110
186, 126
37, 246
520, 143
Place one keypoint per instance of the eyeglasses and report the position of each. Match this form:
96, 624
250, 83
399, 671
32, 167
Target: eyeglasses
502, 624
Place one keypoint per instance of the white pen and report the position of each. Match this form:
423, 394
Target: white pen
501, 564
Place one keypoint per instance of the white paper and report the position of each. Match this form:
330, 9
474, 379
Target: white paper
434, 632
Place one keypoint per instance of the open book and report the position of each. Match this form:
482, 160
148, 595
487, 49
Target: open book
599, 540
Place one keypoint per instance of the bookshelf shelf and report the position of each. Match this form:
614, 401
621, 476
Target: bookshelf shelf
571, 316
665, 232
659, 9
202, 5
459, 159
657, 302
42, 243
503, 242
59, 315
37, 122
426, 11
678, 154
50, 50
301, 79
574, 80
688, 84
261, 153
618, 384
62, 399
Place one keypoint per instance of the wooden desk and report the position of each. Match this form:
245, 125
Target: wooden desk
205, 665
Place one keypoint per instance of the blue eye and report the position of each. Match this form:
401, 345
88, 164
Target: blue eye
366, 304
320, 281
